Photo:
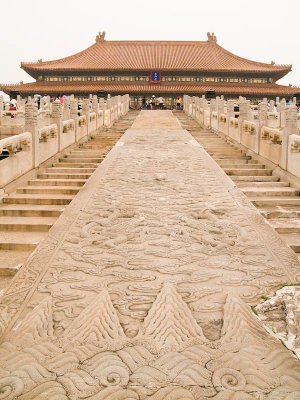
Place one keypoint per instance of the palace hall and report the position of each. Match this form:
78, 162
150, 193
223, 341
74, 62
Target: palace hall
160, 68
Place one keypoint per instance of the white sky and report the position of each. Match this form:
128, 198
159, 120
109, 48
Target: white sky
260, 30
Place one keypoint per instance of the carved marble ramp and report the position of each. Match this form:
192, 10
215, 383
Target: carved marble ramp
142, 288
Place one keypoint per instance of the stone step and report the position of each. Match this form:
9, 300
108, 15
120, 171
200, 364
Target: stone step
73, 159
247, 172
235, 161
26, 224
276, 201
220, 154
29, 210
11, 262
66, 164
249, 179
286, 226
99, 155
63, 176
245, 166
278, 191
293, 240
217, 147
69, 170
18, 246
280, 212
57, 182
49, 190
21, 238
85, 154
251, 185
230, 157
61, 199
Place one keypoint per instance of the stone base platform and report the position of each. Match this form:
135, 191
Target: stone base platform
142, 289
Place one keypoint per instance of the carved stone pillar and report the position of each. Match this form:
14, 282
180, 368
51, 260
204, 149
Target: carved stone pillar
220, 106
244, 114
290, 129
31, 125
281, 113
74, 116
102, 108
86, 112
66, 109
56, 118
230, 114
262, 121
107, 114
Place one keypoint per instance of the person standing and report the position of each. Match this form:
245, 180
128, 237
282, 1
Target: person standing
14, 103
178, 103
160, 102
144, 103
152, 102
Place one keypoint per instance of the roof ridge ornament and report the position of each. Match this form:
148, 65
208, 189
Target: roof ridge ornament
211, 37
100, 37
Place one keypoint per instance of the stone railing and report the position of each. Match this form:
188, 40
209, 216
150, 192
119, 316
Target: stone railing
271, 144
272, 135
93, 121
233, 129
248, 134
68, 133
43, 142
16, 143
19, 159
222, 123
47, 132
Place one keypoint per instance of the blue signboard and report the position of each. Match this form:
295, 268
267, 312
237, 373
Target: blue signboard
155, 77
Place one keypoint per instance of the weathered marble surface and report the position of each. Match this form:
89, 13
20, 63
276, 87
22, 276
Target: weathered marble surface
142, 288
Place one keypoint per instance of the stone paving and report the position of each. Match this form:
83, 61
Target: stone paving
142, 288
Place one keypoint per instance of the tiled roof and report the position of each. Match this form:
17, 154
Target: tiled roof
132, 88
156, 55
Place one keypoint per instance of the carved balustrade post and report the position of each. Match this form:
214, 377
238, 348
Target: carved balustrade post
66, 108
185, 100
102, 108
262, 121
197, 114
74, 116
220, 106
56, 118
107, 114
86, 112
95, 109
119, 105
230, 114
281, 113
31, 125
213, 105
244, 114
127, 104
291, 128
48, 106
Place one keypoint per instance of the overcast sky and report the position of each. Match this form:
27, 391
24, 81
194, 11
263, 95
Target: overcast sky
260, 30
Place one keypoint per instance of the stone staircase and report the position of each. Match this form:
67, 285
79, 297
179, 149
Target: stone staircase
27, 214
277, 201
